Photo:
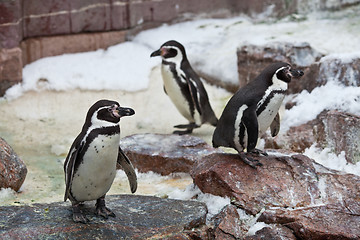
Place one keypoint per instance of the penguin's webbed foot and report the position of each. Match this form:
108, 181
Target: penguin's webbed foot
78, 216
178, 132
258, 152
188, 126
102, 210
249, 160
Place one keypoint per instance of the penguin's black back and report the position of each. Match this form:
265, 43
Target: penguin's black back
248, 95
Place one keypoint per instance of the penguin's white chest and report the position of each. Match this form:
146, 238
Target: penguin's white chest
173, 90
266, 117
97, 171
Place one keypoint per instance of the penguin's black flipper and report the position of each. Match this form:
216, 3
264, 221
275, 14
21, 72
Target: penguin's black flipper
275, 125
126, 165
250, 121
69, 166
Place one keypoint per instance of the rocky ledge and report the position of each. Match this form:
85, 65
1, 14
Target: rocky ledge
138, 217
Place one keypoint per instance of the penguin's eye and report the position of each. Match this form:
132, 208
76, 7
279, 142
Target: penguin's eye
171, 52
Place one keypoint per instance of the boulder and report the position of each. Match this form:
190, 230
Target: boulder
283, 181
10, 68
273, 232
12, 169
252, 59
138, 217
331, 221
165, 153
336, 130
227, 224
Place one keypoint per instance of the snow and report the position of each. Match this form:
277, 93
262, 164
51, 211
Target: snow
331, 96
329, 159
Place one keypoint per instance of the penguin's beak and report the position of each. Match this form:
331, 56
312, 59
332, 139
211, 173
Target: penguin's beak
295, 73
156, 53
124, 111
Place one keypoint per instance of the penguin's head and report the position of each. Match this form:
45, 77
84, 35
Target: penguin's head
104, 112
171, 51
285, 72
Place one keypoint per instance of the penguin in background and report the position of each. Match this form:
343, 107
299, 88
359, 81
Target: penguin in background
90, 166
252, 110
184, 87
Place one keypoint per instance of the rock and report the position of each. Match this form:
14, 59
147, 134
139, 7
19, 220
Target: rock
341, 68
332, 221
252, 59
138, 217
12, 169
227, 224
165, 154
10, 68
336, 130
40, 47
283, 181
273, 232
341, 132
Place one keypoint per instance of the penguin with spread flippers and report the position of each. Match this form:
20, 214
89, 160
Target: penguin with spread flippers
184, 87
90, 166
253, 109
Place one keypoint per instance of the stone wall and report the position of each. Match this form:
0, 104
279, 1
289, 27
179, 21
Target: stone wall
32, 29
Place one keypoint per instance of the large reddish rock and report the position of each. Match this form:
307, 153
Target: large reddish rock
227, 224
165, 153
12, 169
10, 68
252, 59
273, 232
332, 221
283, 181
336, 130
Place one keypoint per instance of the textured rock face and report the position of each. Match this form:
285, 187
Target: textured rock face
273, 232
12, 169
282, 181
138, 217
332, 221
252, 59
165, 154
336, 130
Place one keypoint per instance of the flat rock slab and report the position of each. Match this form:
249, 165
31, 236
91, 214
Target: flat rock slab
138, 217
165, 153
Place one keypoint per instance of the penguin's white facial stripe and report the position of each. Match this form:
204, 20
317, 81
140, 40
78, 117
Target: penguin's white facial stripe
238, 119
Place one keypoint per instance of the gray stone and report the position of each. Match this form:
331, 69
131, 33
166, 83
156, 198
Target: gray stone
138, 217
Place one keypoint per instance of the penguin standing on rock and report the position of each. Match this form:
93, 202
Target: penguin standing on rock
90, 166
184, 87
253, 109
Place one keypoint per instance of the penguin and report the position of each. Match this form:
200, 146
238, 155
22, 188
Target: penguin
90, 166
184, 87
252, 110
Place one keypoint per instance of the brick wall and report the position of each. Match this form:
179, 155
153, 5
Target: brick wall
32, 29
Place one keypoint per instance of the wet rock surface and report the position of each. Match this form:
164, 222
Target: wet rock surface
138, 217
331, 221
283, 181
165, 153
12, 169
